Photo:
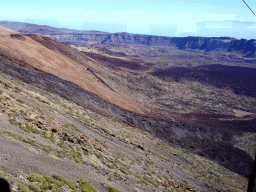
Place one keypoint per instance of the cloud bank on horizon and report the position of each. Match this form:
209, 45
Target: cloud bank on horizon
154, 17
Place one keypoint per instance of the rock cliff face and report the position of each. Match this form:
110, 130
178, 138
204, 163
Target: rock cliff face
79, 37
137, 39
202, 43
217, 44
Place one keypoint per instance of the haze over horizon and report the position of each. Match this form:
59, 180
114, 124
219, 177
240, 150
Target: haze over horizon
156, 17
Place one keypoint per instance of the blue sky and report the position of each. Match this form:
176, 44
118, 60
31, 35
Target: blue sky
155, 17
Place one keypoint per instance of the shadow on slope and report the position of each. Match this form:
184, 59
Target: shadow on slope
213, 140
241, 80
115, 62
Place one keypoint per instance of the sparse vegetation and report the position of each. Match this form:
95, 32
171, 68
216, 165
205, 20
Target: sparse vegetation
116, 174
125, 170
20, 101
86, 186
63, 138
109, 188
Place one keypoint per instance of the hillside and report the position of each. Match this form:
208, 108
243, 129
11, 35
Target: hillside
44, 134
42, 53
186, 106
52, 143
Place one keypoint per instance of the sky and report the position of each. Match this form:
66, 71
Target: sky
177, 18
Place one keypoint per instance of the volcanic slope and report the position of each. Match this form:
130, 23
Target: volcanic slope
51, 144
188, 131
42, 53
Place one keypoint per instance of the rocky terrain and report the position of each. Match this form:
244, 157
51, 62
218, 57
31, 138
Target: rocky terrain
50, 143
192, 111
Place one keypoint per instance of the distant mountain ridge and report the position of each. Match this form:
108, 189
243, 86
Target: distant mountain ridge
227, 44
61, 34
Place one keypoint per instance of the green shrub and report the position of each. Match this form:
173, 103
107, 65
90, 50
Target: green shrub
65, 138
23, 113
86, 186
116, 174
33, 177
125, 171
76, 160
136, 175
115, 164
34, 130
20, 101
109, 188
104, 145
26, 128
34, 188
112, 189
99, 156
75, 128
45, 135
2, 175
52, 137
145, 182
59, 184
78, 149
71, 185
48, 179
13, 121
45, 186
14, 134
111, 166
63, 181
51, 118
60, 178
159, 176
150, 181
40, 111
61, 143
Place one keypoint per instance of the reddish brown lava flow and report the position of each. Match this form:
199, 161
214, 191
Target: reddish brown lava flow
42, 53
